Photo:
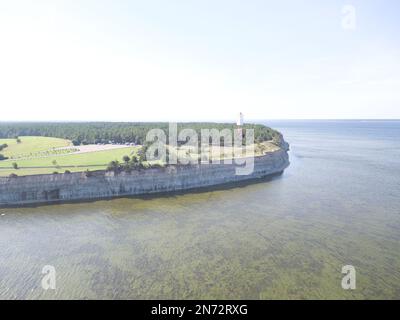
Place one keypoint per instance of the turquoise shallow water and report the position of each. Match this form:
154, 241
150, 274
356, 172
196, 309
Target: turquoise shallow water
337, 204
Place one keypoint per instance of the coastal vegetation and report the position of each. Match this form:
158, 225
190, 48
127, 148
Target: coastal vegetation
74, 162
115, 132
50, 148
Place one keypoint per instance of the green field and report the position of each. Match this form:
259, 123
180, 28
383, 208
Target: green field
30, 146
29, 165
39, 155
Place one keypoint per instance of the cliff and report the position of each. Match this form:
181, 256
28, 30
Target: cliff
103, 184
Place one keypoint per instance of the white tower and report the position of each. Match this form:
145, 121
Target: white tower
240, 120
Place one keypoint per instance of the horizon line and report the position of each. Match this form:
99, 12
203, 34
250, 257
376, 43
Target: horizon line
197, 121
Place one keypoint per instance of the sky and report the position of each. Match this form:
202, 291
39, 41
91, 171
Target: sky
186, 60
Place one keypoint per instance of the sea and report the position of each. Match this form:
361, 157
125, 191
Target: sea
291, 237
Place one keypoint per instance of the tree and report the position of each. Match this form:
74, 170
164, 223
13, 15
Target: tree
135, 160
120, 132
126, 159
55, 163
114, 166
15, 165
67, 172
142, 153
19, 140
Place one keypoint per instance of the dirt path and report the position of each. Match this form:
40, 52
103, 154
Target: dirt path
75, 150
93, 148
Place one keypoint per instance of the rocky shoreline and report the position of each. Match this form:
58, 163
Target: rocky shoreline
40, 189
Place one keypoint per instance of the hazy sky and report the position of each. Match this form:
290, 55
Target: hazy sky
199, 60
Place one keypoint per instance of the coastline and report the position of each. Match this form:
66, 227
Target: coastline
73, 187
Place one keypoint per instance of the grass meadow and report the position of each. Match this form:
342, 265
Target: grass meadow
36, 155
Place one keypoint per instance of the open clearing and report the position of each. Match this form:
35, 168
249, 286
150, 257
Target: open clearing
30, 146
40, 155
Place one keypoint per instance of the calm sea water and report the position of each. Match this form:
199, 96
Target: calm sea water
337, 204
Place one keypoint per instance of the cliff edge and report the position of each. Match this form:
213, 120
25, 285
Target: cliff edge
49, 188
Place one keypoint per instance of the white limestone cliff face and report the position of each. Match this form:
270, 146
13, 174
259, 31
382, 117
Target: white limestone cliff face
102, 184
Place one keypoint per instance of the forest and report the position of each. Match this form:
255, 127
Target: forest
116, 132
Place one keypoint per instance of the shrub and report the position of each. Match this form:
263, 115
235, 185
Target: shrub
114, 166
67, 172
127, 167
15, 165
